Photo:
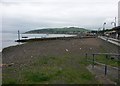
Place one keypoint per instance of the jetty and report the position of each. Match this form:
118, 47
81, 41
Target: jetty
42, 39
53, 38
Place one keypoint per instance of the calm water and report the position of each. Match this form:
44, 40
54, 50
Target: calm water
8, 39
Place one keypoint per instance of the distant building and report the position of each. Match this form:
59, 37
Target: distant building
119, 13
113, 33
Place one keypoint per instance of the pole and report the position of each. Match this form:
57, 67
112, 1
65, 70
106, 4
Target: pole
86, 56
115, 21
18, 35
99, 32
106, 65
93, 61
105, 69
104, 27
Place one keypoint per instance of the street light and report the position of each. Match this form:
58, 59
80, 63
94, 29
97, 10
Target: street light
99, 31
114, 22
104, 26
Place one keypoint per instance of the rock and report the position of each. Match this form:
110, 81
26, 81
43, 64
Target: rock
66, 50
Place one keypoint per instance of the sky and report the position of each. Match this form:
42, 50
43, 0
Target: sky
25, 15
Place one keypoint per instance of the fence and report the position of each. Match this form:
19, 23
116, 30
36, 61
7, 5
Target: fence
107, 56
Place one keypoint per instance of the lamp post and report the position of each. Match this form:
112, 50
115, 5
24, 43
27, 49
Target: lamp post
99, 31
104, 27
114, 23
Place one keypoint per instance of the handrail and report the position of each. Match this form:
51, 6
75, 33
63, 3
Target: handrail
113, 54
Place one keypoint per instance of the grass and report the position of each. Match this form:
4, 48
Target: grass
57, 70
36, 77
11, 81
104, 60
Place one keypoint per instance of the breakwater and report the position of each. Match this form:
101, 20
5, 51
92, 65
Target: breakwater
54, 38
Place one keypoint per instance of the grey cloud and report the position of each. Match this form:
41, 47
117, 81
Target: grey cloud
28, 14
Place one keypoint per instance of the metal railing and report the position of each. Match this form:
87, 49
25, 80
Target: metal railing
106, 55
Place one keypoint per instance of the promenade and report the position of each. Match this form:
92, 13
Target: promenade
111, 40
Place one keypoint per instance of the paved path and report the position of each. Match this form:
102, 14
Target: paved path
100, 76
111, 40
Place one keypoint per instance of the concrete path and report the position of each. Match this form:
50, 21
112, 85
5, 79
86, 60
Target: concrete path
111, 40
98, 71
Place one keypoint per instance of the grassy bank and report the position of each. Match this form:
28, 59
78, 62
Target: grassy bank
51, 69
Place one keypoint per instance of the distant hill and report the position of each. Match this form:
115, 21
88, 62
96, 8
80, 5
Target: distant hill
66, 30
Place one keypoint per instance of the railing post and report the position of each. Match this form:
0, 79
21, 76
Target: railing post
118, 69
106, 65
93, 61
105, 69
86, 56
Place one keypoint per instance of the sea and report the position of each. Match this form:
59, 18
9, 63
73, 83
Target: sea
8, 38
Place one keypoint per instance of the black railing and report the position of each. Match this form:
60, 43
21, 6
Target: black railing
106, 55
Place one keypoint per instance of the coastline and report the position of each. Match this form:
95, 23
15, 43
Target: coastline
11, 46
23, 41
10, 38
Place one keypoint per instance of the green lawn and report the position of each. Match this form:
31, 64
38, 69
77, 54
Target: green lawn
104, 60
54, 70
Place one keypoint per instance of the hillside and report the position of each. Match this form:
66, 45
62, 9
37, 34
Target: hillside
69, 30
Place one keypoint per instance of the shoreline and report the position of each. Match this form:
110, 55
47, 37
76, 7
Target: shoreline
9, 38
23, 41
49, 39
11, 46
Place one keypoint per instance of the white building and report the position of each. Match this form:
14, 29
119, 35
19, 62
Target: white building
119, 13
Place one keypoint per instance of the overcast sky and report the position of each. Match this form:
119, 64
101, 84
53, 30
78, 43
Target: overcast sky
34, 14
